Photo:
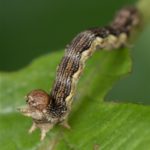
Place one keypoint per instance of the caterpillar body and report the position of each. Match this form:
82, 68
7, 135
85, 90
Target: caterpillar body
47, 110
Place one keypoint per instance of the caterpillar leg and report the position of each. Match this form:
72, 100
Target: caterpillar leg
33, 127
44, 127
25, 111
36, 115
65, 124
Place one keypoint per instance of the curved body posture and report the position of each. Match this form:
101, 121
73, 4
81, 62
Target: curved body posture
47, 110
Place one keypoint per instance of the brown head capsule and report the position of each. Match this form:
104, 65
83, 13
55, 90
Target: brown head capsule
38, 99
37, 103
46, 110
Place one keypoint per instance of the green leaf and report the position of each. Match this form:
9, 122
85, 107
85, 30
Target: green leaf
135, 88
96, 124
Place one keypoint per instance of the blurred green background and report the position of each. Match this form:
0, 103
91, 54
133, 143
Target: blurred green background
30, 28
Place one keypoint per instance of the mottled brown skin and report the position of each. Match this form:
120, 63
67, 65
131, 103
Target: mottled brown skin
49, 109
68, 67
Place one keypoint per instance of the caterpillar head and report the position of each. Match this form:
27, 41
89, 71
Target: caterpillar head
37, 102
36, 108
37, 99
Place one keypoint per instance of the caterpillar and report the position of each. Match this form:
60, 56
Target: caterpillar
46, 110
